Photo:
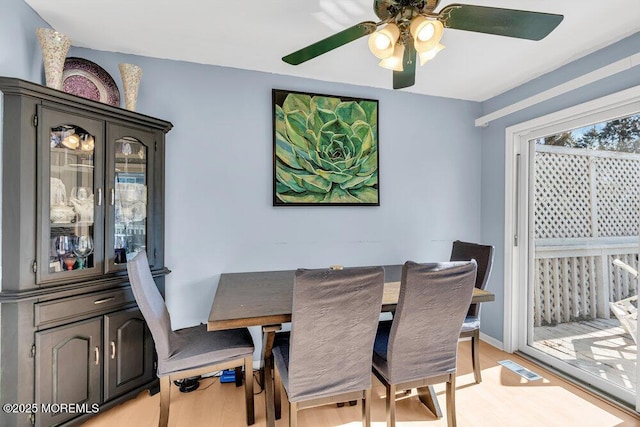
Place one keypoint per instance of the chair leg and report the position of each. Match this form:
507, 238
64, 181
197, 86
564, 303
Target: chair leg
475, 355
165, 400
451, 401
248, 389
277, 389
293, 414
366, 408
427, 396
238, 376
391, 405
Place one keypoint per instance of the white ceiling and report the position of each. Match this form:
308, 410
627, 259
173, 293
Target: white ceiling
255, 34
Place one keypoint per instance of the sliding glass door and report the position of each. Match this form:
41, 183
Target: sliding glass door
581, 215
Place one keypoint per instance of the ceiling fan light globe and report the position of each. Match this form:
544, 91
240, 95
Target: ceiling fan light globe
382, 43
422, 28
416, 25
394, 62
426, 33
430, 54
377, 46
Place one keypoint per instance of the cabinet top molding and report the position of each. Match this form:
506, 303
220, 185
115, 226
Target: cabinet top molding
15, 86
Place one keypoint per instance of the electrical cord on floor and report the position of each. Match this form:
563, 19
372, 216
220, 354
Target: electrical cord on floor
212, 382
216, 375
190, 384
212, 374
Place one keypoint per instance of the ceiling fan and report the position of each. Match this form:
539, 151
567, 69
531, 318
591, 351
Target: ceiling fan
411, 29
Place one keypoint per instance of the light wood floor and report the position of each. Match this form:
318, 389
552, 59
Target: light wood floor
502, 399
598, 346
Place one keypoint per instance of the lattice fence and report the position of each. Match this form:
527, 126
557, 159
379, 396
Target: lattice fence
587, 213
586, 193
562, 196
617, 195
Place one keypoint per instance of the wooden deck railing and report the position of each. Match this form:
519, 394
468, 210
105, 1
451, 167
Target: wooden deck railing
575, 279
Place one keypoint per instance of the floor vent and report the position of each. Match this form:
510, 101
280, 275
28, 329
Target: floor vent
520, 370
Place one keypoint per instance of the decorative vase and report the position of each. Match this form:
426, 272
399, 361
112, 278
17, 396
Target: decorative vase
131, 75
54, 46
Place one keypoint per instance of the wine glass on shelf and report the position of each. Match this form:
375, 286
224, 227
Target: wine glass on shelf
69, 260
63, 247
82, 248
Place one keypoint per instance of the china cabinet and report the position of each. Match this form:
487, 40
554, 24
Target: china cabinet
82, 192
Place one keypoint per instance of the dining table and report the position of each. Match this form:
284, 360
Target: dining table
264, 299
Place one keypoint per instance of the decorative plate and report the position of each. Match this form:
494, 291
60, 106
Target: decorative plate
87, 79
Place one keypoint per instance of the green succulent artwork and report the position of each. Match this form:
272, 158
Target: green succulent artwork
325, 150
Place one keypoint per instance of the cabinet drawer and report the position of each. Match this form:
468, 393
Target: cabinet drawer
82, 306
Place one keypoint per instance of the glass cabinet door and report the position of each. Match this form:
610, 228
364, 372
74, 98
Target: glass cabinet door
70, 176
129, 158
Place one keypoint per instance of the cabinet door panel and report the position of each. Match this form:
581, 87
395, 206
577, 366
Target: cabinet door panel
68, 368
70, 170
129, 352
130, 203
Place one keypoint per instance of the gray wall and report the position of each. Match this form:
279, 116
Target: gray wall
20, 54
219, 176
219, 180
493, 147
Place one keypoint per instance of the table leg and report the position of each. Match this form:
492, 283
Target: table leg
268, 335
427, 396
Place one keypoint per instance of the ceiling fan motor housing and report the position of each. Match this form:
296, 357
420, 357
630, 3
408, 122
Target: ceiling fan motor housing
388, 9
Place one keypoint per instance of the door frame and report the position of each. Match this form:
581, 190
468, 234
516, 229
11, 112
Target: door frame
517, 241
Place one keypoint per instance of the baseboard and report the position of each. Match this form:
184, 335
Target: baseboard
492, 341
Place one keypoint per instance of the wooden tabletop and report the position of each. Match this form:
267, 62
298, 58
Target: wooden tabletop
265, 298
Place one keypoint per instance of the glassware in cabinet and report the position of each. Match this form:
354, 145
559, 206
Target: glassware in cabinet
71, 173
129, 163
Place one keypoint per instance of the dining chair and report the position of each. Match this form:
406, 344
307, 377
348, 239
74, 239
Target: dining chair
326, 357
190, 351
419, 347
483, 255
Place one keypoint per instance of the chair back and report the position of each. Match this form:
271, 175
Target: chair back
483, 254
433, 301
333, 326
151, 303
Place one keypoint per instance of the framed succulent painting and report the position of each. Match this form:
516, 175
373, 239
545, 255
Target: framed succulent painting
325, 150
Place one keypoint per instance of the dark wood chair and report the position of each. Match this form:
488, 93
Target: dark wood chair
483, 255
326, 358
419, 347
190, 351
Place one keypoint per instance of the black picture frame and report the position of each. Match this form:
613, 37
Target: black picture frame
325, 150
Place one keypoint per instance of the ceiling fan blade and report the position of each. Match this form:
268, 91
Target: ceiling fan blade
503, 22
330, 43
406, 77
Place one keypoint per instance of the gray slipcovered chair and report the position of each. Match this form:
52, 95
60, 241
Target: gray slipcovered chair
483, 255
419, 347
326, 358
190, 351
